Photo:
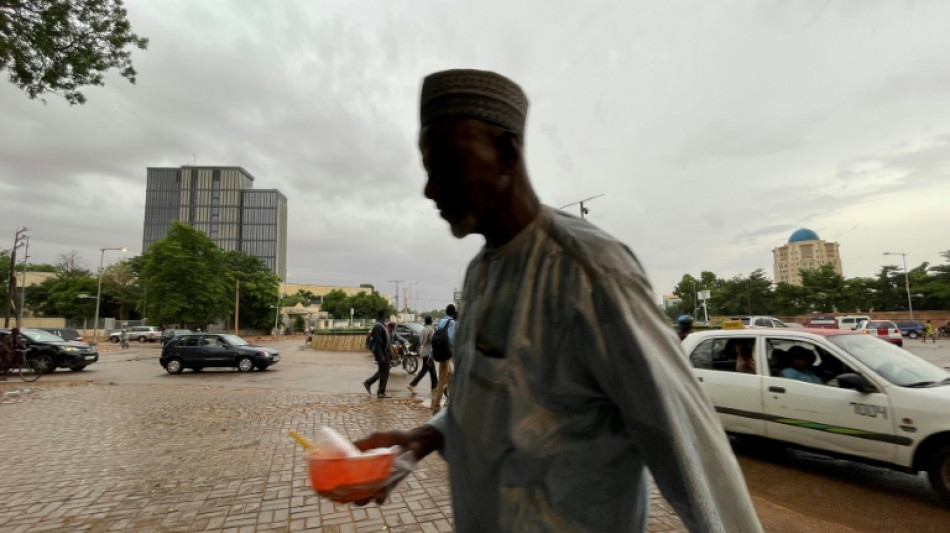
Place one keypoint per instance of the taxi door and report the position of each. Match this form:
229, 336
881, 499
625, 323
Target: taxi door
824, 416
737, 396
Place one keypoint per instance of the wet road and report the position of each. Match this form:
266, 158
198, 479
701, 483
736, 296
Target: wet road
838, 495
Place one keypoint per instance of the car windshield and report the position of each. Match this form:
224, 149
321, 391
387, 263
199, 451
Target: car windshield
894, 364
234, 340
37, 335
416, 328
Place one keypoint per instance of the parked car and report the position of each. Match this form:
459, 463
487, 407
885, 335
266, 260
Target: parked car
67, 334
171, 333
760, 321
882, 329
54, 352
142, 334
411, 331
910, 328
851, 321
204, 350
871, 401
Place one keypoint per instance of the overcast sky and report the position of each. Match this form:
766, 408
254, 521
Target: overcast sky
713, 129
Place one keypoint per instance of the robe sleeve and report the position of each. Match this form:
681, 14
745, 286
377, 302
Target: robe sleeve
635, 358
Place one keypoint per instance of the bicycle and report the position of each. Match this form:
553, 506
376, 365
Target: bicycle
28, 370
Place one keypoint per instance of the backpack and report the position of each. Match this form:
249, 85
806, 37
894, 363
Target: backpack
369, 338
441, 347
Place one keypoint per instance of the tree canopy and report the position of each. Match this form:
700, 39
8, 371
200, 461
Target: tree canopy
187, 279
364, 304
61, 46
822, 290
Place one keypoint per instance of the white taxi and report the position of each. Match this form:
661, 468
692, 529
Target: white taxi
832, 391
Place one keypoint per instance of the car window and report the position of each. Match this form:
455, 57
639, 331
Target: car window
825, 366
894, 364
190, 341
776, 323
234, 340
37, 335
720, 354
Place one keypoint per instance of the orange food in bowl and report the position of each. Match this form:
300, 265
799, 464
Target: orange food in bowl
367, 470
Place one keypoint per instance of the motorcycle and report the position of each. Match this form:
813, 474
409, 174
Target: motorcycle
403, 354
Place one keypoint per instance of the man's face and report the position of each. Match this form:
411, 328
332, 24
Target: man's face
464, 172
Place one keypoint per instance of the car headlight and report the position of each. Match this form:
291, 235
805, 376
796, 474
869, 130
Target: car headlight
70, 349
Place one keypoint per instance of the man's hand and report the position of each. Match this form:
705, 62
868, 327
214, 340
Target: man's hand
421, 441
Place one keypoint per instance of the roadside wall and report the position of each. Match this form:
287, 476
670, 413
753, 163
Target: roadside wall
340, 343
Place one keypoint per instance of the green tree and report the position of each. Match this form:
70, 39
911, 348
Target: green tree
257, 289
824, 289
935, 287
59, 296
186, 278
61, 46
121, 290
335, 304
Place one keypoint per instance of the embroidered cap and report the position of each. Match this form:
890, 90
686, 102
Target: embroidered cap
478, 94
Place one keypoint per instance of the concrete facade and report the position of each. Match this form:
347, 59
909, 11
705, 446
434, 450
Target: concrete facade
221, 202
804, 251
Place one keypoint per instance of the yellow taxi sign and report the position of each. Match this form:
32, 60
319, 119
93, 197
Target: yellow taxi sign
733, 324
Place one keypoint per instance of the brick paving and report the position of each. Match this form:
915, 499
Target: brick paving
103, 457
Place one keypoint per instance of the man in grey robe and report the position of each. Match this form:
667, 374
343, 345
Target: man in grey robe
569, 383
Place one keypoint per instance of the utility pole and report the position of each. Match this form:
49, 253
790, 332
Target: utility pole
584, 210
397, 282
18, 241
26, 257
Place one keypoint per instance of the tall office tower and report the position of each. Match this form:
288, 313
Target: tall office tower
222, 203
804, 251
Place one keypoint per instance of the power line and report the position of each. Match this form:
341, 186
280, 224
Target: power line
584, 210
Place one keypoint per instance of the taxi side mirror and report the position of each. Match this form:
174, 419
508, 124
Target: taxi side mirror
856, 382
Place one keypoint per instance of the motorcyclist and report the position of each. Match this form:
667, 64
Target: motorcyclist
684, 326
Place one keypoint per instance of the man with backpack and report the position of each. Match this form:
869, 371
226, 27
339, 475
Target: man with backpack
442, 342
379, 344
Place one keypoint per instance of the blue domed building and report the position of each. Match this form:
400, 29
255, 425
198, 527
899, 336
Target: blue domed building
804, 251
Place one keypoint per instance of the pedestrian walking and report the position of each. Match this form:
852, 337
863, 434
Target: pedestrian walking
381, 354
446, 328
929, 331
569, 383
428, 364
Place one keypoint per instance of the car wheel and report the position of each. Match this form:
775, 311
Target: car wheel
913, 335
143, 340
245, 364
114, 340
174, 366
47, 364
77, 368
938, 470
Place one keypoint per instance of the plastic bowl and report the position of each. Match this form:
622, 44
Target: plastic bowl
349, 479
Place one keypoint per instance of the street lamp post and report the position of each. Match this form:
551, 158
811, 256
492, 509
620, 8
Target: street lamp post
910, 304
95, 324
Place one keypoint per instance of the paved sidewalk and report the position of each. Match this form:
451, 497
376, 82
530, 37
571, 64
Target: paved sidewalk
95, 457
